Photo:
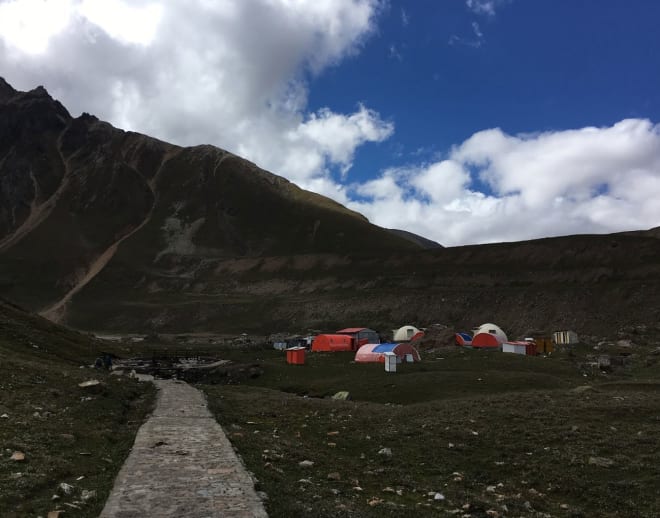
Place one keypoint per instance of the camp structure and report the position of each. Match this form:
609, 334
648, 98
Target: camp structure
376, 352
565, 337
360, 336
488, 335
332, 343
522, 347
463, 339
407, 334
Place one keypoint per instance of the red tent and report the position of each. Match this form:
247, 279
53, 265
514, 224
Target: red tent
485, 340
332, 343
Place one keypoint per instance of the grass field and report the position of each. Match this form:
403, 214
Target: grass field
470, 433
67, 434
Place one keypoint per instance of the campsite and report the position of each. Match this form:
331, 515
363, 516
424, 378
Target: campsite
466, 431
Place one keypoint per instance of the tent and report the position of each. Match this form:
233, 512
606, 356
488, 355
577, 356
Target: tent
407, 334
463, 339
485, 340
376, 352
360, 335
332, 343
493, 330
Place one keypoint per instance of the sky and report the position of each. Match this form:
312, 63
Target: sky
464, 121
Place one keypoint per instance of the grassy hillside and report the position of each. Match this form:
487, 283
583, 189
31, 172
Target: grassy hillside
67, 434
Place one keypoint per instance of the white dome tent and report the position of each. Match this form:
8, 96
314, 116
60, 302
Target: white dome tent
405, 333
492, 329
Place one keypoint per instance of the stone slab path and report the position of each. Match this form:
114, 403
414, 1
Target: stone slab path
182, 465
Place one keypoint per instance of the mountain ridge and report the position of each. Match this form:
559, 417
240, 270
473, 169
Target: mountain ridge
110, 230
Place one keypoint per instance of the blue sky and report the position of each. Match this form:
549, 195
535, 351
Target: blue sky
539, 65
466, 121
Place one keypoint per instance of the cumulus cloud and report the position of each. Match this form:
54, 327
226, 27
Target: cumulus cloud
235, 74
499, 187
227, 72
484, 7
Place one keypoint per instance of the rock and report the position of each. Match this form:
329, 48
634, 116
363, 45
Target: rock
602, 462
388, 490
18, 456
334, 476
55, 514
87, 495
65, 488
4, 416
305, 464
387, 452
342, 395
490, 489
374, 501
438, 497
493, 513
89, 383
304, 481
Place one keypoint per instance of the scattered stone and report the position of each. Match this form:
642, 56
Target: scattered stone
563, 506
493, 513
490, 489
438, 497
387, 452
334, 476
55, 497
305, 481
18, 456
388, 490
89, 383
4, 416
342, 395
87, 495
55, 514
602, 462
72, 506
335, 491
333, 433
332, 444
450, 445
305, 464
357, 488
374, 501
65, 488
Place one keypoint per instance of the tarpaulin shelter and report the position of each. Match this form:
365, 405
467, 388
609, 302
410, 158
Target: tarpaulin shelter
376, 352
360, 335
332, 343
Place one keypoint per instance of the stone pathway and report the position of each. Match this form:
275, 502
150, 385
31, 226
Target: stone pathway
182, 465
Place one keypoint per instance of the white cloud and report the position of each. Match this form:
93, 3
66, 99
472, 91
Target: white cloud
233, 73
556, 183
227, 72
486, 7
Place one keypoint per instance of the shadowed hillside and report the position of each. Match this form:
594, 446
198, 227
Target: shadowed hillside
111, 230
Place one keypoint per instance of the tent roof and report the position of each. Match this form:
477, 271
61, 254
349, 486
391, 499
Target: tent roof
384, 348
353, 330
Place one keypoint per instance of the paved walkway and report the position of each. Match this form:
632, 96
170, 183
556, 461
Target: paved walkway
182, 465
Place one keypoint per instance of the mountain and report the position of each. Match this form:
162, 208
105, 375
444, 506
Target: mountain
77, 195
110, 230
